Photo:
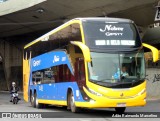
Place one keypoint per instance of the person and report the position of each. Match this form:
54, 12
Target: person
13, 89
122, 73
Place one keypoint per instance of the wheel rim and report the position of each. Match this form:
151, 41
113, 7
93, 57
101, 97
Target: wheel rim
36, 101
72, 101
32, 100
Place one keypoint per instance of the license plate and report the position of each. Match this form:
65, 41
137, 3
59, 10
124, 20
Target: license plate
121, 104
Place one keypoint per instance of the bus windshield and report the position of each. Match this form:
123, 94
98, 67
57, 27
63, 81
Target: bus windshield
116, 68
103, 35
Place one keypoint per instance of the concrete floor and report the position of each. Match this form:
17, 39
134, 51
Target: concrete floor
85, 115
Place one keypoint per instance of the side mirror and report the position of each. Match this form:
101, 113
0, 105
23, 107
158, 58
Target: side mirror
154, 51
84, 48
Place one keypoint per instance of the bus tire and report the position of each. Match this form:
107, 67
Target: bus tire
72, 105
120, 110
36, 104
32, 100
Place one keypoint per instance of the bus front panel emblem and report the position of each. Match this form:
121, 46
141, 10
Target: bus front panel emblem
121, 94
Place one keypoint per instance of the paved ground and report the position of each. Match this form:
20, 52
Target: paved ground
85, 115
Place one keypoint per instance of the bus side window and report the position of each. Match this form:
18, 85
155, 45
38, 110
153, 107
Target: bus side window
60, 73
79, 65
34, 80
81, 69
66, 73
49, 75
55, 73
37, 77
80, 72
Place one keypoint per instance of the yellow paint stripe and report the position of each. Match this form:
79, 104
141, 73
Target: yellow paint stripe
53, 102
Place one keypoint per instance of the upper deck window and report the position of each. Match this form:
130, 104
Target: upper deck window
58, 40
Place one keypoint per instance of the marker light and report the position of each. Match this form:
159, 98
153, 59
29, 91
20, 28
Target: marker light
94, 92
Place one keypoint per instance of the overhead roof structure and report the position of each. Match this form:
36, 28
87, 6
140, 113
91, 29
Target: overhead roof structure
52, 13
10, 6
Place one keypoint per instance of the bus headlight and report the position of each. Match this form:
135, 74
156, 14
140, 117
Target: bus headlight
142, 91
92, 101
94, 92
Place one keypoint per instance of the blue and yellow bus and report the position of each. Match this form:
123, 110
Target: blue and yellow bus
87, 63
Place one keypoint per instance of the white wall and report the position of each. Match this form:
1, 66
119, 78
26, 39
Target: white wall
153, 88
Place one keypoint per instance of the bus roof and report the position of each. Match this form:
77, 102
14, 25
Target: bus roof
106, 19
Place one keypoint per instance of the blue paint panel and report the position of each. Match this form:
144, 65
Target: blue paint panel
57, 91
53, 91
50, 59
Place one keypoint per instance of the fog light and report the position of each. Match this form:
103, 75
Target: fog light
92, 101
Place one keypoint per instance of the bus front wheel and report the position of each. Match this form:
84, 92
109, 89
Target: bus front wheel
120, 109
72, 105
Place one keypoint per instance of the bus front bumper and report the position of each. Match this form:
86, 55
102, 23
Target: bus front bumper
111, 103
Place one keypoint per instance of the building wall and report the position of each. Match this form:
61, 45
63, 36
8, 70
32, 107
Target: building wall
153, 82
153, 78
11, 65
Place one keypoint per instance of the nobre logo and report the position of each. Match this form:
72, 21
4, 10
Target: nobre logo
111, 28
36, 63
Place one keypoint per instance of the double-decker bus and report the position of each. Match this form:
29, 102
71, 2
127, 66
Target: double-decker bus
87, 63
